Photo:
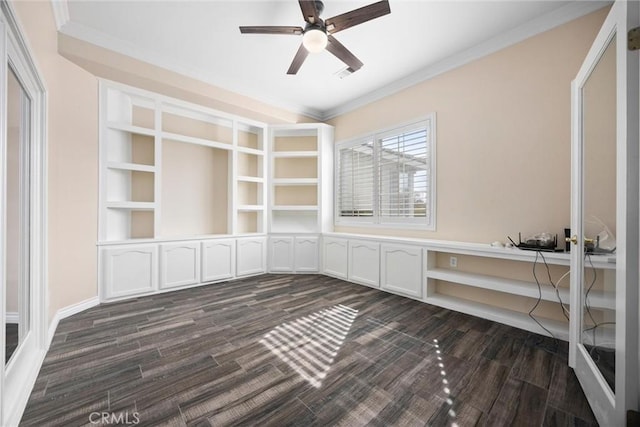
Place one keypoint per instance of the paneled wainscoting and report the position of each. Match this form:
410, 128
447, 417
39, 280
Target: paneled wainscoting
299, 350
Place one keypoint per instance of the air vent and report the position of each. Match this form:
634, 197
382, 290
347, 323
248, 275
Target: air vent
345, 72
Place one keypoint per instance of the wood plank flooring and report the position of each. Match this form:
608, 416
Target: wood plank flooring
304, 350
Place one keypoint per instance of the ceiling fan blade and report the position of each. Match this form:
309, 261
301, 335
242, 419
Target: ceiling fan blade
301, 55
357, 16
271, 30
343, 54
309, 11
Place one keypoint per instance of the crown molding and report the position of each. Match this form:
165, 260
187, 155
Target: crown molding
98, 38
546, 22
60, 12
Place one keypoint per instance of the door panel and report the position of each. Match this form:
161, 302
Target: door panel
604, 204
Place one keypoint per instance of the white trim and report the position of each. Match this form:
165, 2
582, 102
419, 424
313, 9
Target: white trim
536, 26
12, 317
555, 18
60, 12
69, 311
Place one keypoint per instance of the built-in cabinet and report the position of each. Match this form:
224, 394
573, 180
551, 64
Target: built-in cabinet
492, 283
335, 257
128, 270
183, 194
179, 264
135, 269
294, 254
218, 259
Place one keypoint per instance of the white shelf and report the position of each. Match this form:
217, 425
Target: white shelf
501, 315
131, 128
250, 208
193, 140
138, 206
295, 208
250, 179
510, 286
295, 181
291, 154
248, 150
131, 167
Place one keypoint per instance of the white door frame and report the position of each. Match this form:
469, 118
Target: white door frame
609, 408
18, 377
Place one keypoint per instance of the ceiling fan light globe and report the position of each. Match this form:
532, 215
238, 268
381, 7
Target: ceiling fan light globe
314, 40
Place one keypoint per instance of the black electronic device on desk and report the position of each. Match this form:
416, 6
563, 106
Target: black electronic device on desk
540, 242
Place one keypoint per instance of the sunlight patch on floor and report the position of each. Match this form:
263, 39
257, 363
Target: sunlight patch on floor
310, 344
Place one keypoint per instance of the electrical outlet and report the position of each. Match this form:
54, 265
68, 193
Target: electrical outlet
453, 262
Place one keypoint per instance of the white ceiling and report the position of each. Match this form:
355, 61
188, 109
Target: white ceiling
418, 39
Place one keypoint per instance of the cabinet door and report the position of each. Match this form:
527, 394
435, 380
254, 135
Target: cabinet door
180, 264
334, 257
401, 269
281, 254
364, 262
129, 270
306, 254
218, 259
250, 256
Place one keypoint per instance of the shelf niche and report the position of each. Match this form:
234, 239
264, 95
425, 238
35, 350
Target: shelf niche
195, 179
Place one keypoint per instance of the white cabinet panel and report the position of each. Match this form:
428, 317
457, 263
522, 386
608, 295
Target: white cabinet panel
218, 259
364, 262
306, 254
281, 254
180, 264
250, 256
334, 257
401, 269
129, 270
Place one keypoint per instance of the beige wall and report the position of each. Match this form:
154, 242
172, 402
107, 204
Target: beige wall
503, 136
194, 190
72, 144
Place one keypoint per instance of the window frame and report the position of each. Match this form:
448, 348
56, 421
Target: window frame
428, 223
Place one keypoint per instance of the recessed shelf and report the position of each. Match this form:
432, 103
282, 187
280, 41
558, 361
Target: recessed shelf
131, 166
193, 140
295, 154
247, 150
501, 315
295, 181
294, 208
131, 205
250, 208
511, 286
130, 128
244, 178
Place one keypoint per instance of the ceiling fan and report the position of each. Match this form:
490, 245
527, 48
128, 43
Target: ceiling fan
318, 34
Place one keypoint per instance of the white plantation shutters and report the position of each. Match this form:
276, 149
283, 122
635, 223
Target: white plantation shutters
388, 178
356, 180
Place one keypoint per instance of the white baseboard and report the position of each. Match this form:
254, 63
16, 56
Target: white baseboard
68, 311
12, 317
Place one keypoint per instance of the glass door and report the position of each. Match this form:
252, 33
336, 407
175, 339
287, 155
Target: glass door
17, 205
604, 314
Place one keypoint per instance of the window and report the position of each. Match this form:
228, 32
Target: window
388, 178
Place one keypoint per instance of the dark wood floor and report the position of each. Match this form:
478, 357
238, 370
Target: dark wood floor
299, 350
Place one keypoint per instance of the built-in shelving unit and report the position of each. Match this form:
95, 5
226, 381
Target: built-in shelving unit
301, 178
300, 197
181, 187
492, 283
